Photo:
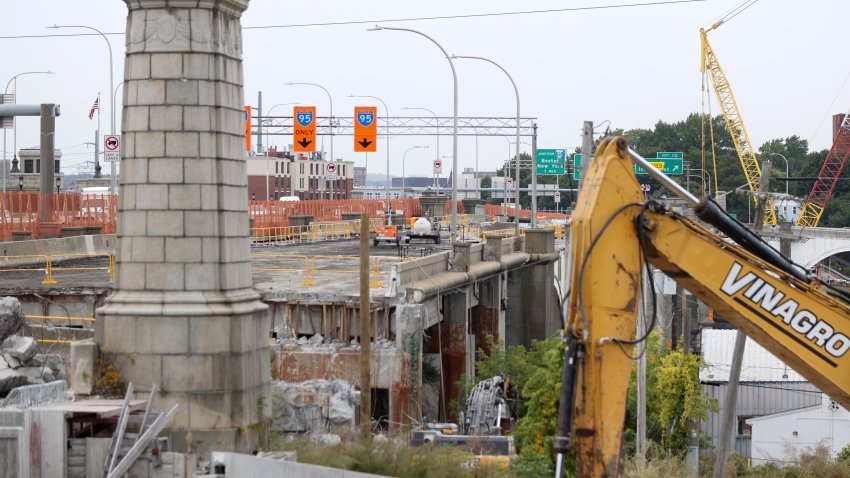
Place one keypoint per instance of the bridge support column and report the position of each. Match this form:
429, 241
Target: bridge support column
455, 353
533, 309
184, 314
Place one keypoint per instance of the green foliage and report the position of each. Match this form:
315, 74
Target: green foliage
680, 399
486, 182
389, 458
844, 455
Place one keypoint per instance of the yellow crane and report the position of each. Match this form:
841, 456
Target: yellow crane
734, 122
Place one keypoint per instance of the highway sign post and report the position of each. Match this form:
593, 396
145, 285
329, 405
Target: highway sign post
550, 161
112, 148
365, 129
304, 129
438, 166
330, 171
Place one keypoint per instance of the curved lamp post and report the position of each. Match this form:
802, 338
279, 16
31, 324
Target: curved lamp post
454, 228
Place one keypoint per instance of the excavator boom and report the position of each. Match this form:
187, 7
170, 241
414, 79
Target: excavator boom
753, 286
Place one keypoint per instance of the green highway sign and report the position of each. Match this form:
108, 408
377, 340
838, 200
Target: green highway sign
576, 167
668, 163
551, 161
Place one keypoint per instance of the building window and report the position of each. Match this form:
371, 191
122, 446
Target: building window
302, 183
744, 429
302, 169
28, 166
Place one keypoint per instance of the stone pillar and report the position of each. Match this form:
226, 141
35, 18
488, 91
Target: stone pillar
184, 313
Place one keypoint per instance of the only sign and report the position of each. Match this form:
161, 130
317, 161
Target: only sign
438, 166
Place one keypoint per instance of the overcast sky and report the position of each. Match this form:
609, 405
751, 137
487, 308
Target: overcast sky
785, 60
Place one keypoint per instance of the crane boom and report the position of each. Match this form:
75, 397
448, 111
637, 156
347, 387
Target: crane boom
827, 178
746, 153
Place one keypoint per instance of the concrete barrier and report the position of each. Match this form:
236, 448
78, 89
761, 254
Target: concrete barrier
89, 244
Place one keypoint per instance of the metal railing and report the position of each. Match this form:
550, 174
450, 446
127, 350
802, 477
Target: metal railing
23, 263
311, 268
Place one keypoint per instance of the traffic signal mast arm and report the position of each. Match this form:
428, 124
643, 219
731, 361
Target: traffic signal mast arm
827, 178
734, 122
615, 236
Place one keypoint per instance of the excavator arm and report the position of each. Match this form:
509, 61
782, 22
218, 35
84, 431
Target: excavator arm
614, 234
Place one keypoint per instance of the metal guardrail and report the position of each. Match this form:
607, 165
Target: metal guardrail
310, 268
48, 264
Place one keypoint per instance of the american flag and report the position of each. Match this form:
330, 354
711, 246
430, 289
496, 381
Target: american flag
94, 107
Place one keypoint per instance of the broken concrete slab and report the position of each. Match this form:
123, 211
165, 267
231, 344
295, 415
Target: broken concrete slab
313, 406
10, 379
83, 360
36, 374
11, 317
12, 362
21, 348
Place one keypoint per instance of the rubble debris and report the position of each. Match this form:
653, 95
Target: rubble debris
22, 364
314, 406
20, 348
10, 379
11, 317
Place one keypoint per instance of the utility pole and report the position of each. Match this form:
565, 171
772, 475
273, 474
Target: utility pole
729, 404
365, 335
641, 374
586, 150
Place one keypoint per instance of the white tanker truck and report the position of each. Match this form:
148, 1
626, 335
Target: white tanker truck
421, 230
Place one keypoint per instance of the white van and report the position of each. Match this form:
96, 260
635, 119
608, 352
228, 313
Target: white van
290, 198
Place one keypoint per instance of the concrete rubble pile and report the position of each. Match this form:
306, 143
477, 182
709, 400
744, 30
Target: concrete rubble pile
319, 341
21, 362
316, 407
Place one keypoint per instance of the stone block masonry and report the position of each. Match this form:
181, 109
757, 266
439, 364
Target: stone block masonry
184, 314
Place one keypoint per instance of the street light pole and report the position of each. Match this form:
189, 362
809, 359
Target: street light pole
330, 120
437, 125
112, 167
387, 132
516, 91
403, 159
787, 169
6, 92
268, 196
454, 229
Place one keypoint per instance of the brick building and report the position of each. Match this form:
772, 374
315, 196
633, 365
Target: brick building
283, 173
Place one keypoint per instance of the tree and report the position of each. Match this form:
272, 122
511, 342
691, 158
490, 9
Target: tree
486, 182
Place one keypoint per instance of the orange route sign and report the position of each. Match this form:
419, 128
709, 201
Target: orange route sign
304, 129
365, 129
248, 128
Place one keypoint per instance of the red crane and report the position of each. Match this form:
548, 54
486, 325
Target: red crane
828, 177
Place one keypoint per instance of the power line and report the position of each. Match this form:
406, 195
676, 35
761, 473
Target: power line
395, 20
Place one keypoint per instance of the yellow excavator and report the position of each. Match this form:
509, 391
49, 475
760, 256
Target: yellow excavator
615, 235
